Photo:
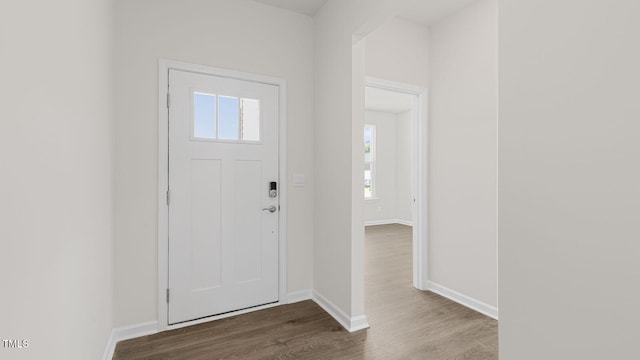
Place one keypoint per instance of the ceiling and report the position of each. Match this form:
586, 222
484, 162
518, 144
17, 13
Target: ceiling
376, 99
306, 7
423, 12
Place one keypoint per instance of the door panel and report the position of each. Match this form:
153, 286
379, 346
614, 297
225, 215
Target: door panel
248, 186
223, 154
205, 212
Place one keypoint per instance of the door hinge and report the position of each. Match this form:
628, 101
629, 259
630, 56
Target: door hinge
168, 197
168, 100
167, 295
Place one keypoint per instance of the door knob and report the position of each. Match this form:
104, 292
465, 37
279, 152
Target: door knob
271, 209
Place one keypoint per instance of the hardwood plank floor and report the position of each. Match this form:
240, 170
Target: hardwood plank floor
405, 323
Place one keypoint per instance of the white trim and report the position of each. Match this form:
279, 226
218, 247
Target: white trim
351, 324
126, 333
297, 296
388, 222
419, 177
110, 349
163, 185
359, 323
163, 150
471, 303
152, 327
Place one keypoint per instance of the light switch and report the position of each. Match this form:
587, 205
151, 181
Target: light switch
298, 180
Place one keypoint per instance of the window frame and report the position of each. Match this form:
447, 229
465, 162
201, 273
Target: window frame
240, 124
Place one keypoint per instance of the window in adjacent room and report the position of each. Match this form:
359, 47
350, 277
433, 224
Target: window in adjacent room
369, 160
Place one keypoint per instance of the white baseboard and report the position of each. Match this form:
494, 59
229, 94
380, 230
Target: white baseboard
479, 306
404, 222
351, 324
358, 323
133, 331
111, 347
297, 296
388, 222
126, 333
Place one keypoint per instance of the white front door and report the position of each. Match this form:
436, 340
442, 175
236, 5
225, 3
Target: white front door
223, 216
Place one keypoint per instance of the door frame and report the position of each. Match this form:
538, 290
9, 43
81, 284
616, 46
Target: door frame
419, 183
163, 182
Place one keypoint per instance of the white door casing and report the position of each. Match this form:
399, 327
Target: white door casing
223, 250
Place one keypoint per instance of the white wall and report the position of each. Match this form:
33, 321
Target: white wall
398, 51
568, 196
462, 152
392, 198
333, 134
237, 35
56, 122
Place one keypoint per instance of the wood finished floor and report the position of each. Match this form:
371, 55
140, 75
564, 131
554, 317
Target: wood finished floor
405, 323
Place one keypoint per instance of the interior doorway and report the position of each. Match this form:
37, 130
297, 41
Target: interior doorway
398, 197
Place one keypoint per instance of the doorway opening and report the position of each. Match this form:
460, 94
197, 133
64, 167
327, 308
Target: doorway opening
394, 164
